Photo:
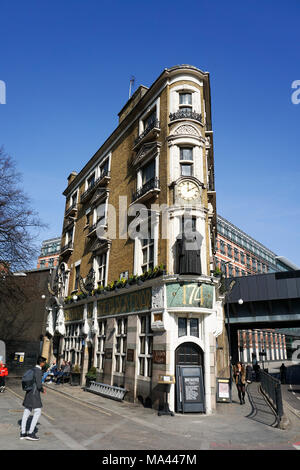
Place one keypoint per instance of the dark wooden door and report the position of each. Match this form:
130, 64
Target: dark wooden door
187, 354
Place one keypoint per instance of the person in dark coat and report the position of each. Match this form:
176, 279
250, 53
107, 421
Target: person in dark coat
283, 373
249, 374
33, 402
239, 374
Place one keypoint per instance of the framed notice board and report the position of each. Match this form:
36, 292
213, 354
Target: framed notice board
223, 390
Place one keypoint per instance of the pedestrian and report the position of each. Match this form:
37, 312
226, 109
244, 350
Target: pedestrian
249, 374
33, 402
3, 374
283, 373
50, 371
239, 374
256, 367
64, 372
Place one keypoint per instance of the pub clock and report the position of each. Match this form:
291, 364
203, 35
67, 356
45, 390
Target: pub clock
188, 191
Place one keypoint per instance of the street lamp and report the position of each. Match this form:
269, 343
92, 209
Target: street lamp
240, 301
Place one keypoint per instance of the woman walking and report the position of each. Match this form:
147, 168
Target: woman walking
239, 374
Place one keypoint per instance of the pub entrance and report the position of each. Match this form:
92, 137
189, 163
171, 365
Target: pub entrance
189, 389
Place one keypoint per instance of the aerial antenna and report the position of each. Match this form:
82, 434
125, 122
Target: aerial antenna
132, 80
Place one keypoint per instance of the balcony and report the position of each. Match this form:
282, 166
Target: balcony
152, 187
185, 114
72, 210
68, 224
152, 131
104, 178
67, 249
92, 230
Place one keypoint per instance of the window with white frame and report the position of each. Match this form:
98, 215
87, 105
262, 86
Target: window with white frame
188, 327
145, 346
148, 253
186, 161
148, 172
77, 277
185, 101
72, 349
101, 337
121, 344
103, 168
150, 119
100, 268
74, 199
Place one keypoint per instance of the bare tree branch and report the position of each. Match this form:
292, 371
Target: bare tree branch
17, 220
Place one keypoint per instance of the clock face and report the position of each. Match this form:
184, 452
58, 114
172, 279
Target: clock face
188, 190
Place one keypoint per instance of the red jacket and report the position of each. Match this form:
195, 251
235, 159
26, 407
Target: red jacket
3, 371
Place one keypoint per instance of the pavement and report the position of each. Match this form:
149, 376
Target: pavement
127, 425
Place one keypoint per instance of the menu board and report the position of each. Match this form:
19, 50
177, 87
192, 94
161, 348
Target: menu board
192, 388
223, 390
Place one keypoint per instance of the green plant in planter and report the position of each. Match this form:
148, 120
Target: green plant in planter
121, 283
99, 290
132, 279
76, 369
91, 373
217, 272
110, 286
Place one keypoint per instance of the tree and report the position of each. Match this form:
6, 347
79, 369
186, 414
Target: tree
18, 220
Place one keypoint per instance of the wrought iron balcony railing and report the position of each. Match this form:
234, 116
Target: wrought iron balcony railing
185, 114
152, 184
155, 124
67, 247
88, 192
71, 209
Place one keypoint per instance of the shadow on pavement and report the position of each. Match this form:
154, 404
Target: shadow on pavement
261, 410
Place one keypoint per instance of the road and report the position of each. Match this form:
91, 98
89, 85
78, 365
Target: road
84, 421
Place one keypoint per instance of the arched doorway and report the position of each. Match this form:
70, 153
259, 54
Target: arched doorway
189, 354
189, 389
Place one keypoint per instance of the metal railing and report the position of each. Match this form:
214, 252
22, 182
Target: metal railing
155, 124
105, 173
271, 387
110, 391
185, 114
71, 208
153, 183
68, 246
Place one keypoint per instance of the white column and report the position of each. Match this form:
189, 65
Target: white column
281, 347
284, 347
207, 378
250, 344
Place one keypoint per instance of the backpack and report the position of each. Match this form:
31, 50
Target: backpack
28, 380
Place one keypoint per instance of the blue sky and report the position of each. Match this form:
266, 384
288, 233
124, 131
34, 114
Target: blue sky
67, 65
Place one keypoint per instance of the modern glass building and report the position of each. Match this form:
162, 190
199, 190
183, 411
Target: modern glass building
49, 253
238, 254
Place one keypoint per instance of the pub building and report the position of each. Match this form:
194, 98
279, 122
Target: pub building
135, 294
